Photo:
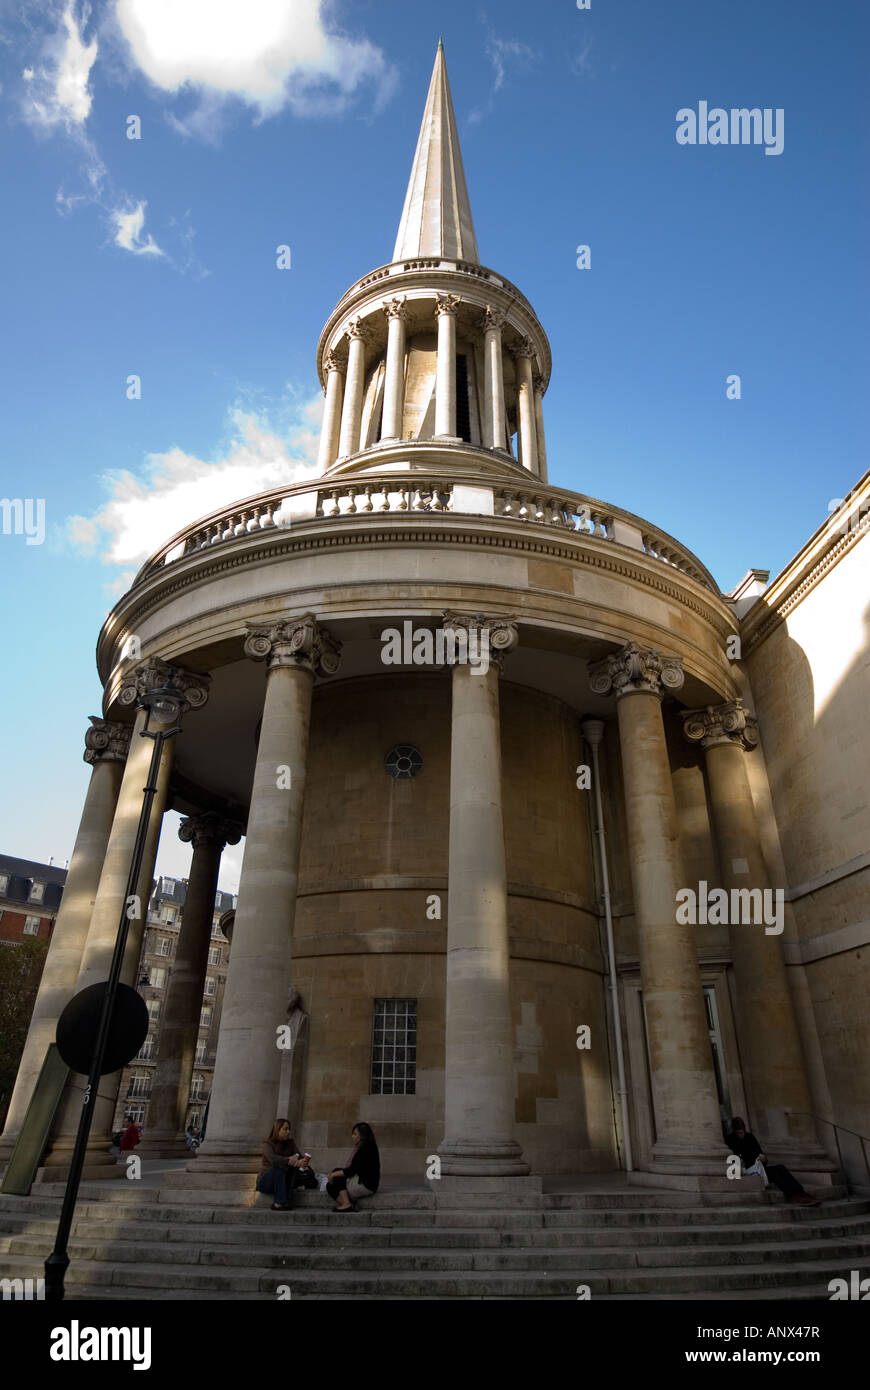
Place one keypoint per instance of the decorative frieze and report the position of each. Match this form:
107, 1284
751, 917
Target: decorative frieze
636, 669
294, 642
728, 723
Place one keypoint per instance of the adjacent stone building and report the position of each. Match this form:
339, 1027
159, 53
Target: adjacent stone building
486, 737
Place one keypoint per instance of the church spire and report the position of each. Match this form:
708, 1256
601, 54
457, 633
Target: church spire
436, 218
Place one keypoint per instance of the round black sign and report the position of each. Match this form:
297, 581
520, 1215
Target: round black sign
78, 1024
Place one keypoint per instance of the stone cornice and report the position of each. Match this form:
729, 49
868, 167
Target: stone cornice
830, 543
403, 530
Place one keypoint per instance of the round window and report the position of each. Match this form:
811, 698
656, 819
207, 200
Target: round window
403, 761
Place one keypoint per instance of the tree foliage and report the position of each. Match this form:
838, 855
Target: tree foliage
20, 970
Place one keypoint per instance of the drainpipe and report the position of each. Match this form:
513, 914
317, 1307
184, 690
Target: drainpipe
593, 732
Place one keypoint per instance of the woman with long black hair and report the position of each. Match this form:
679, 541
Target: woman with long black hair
360, 1175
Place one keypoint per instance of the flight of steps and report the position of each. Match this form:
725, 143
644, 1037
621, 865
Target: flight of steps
162, 1244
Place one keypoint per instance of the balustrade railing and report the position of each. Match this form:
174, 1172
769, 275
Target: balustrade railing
415, 495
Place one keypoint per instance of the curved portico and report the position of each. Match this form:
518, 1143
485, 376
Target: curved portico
468, 887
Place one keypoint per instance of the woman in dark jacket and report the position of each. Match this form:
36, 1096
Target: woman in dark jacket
743, 1142
281, 1165
361, 1174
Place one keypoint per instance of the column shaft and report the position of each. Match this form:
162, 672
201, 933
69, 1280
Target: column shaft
770, 1048
539, 430
351, 415
103, 931
248, 1063
179, 1025
329, 433
526, 412
495, 436
394, 383
62, 963
445, 373
479, 1068
686, 1111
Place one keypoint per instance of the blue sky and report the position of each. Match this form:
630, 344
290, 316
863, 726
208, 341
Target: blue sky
269, 122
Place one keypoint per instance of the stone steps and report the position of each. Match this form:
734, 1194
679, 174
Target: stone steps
283, 1232
143, 1280
134, 1244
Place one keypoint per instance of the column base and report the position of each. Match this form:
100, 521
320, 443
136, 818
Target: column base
482, 1158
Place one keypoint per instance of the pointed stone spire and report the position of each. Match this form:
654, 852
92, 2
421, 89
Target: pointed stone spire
436, 218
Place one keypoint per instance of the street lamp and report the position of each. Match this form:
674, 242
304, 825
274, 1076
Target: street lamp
164, 704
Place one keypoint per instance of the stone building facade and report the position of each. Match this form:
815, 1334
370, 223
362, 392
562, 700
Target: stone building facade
464, 878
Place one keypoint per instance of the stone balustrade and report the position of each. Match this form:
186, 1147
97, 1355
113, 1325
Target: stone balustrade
416, 495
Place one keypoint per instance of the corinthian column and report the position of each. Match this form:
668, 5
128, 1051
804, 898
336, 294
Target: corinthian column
687, 1121
479, 1079
106, 745
328, 451
539, 428
445, 375
111, 893
179, 1024
248, 1063
523, 354
770, 1050
394, 383
493, 384
351, 415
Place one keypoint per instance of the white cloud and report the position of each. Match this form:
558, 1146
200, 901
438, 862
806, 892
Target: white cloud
502, 54
269, 54
177, 488
58, 91
128, 231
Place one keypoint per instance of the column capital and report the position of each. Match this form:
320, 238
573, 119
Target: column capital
636, 669
728, 723
209, 828
523, 347
539, 383
294, 642
395, 308
357, 328
446, 303
335, 361
500, 634
492, 320
151, 674
106, 740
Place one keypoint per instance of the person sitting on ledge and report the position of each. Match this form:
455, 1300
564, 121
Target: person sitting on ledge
743, 1143
282, 1166
360, 1175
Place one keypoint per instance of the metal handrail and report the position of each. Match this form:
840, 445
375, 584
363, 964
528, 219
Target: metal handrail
836, 1128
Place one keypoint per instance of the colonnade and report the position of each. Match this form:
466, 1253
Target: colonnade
346, 372
479, 1045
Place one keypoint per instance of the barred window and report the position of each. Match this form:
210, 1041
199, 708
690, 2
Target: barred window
146, 1051
200, 1052
394, 1048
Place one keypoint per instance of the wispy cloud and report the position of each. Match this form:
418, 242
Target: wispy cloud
128, 233
176, 488
57, 89
505, 56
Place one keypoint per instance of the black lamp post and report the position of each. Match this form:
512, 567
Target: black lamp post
165, 704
